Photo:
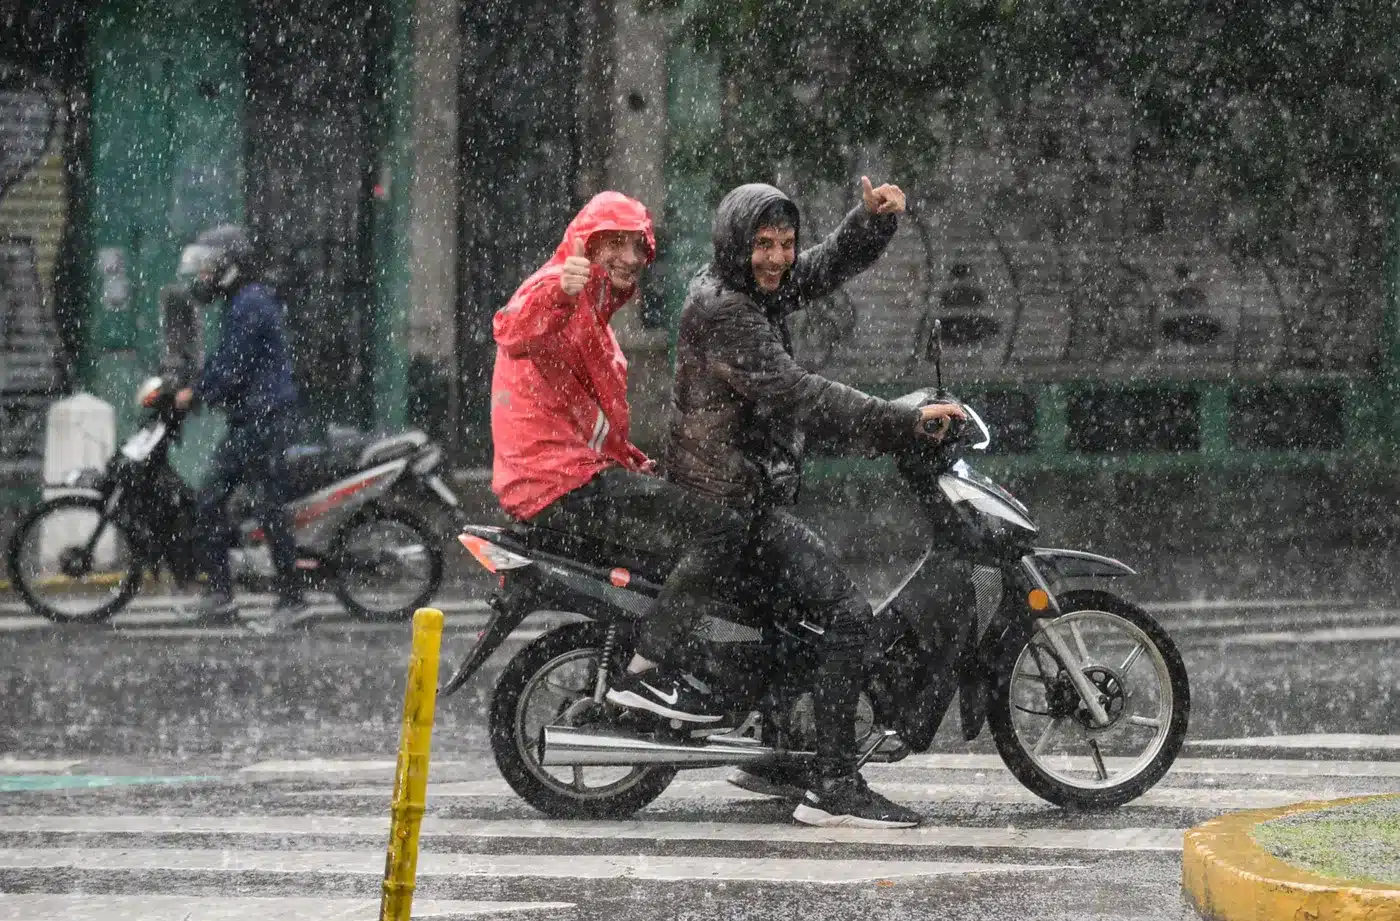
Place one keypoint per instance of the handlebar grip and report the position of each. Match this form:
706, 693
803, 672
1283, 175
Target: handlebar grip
956, 426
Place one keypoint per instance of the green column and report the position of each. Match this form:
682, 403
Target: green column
167, 149
1215, 420
1052, 423
391, 222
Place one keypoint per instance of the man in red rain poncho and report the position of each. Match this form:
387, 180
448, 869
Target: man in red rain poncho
562, 456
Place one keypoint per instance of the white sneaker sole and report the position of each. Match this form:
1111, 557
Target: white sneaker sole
810, 815
637, 702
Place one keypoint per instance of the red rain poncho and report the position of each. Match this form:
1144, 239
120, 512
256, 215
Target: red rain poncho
559, 411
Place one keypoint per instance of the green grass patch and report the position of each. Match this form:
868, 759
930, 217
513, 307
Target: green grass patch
1360, 842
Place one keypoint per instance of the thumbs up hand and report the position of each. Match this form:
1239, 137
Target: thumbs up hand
886, 199
576, 271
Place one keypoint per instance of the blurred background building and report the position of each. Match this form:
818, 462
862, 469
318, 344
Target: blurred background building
408, 162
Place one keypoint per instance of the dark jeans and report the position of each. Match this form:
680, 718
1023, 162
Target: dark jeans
251, 453
649, 514
787, 561
732, 554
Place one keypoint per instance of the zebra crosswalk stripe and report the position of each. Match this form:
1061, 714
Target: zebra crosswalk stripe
162, 867
247, 828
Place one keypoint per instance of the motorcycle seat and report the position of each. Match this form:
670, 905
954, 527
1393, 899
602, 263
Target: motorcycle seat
311, 467
592, 551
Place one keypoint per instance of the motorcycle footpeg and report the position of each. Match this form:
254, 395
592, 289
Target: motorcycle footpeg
877, 742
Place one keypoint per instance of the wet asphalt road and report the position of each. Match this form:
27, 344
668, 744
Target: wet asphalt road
147, 701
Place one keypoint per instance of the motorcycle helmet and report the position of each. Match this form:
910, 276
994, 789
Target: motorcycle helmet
217, 263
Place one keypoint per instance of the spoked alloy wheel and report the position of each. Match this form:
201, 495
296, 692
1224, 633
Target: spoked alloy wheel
1048, 736
550, 682
387, 565
65, 569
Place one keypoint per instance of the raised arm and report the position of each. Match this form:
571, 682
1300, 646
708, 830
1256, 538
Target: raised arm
542, 306
852, 247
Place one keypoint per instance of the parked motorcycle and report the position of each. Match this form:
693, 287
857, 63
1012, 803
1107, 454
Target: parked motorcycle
1086, 695
80, 556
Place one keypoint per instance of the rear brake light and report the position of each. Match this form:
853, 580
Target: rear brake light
494, 558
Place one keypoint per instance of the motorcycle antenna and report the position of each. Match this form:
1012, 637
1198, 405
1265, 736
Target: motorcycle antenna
937, 343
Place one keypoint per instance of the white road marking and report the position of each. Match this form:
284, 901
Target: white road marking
572, 866
1218, 766
908, 792
36, 766
1327, 635
216, 908
331, 766
1312, 740
991, 764
1216, 604
931, 836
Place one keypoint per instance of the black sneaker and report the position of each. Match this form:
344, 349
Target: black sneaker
784, 782
848, 801
287, 614
665, 694
213, 609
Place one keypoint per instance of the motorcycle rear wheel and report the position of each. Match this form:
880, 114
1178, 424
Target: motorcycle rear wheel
550, 677
387, 564
1043, 730
64, 583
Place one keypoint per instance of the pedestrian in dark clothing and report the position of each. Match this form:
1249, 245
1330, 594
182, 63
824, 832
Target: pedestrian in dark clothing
742, 406
249, 377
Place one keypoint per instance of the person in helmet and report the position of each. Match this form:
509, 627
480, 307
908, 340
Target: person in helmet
249, 377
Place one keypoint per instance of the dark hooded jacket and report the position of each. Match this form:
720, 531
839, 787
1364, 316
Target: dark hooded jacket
249, 375
741, 403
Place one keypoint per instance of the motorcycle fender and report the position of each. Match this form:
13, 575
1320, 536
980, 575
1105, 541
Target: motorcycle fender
1067, 570
504, 619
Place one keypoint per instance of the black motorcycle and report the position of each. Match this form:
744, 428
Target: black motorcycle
80, 556
1086, 695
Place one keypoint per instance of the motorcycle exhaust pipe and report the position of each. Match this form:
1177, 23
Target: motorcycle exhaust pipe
561, 746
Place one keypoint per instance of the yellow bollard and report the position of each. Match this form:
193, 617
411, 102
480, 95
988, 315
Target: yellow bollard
411, 774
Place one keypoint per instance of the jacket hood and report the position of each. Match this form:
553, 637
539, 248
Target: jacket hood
606, 211
736, 224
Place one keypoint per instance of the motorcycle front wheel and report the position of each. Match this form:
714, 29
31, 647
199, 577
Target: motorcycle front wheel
1047, 735
550, 682
387, 564
72, 563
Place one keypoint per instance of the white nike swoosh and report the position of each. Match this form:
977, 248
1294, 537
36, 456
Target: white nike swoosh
674, 695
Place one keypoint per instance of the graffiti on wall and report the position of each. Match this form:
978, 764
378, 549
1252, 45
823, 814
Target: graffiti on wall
1049, 251
32, 202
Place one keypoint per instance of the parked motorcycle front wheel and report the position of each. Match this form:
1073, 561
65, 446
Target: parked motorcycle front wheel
1047, 735
72, 563
387, 564
550, 682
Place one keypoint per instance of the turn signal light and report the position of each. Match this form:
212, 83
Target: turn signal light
1038, 599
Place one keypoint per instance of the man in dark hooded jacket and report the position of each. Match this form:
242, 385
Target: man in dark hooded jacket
742, 405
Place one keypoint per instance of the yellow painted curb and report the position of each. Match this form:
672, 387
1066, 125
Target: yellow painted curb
1229, 877
104, 579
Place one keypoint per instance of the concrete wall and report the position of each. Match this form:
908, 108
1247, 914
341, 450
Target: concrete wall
636, 166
